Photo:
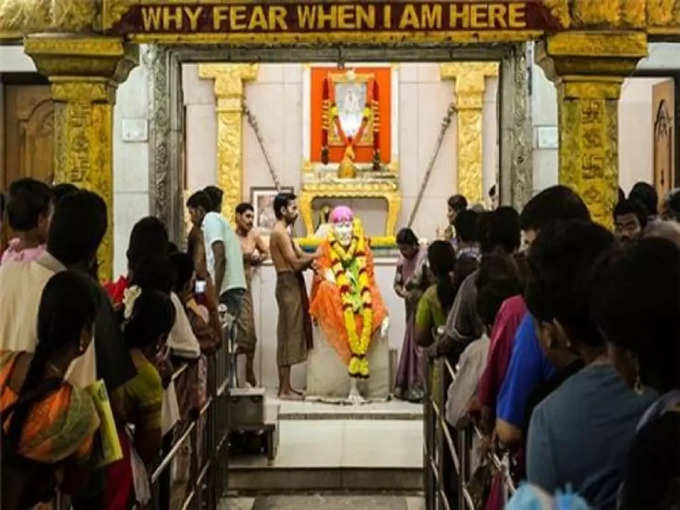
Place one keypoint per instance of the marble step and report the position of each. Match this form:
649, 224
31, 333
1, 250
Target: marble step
336, 455
310, 410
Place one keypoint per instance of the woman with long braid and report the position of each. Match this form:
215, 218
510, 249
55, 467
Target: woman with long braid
48, 424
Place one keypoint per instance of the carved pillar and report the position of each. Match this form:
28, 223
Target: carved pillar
588, 69
84, 73
229, 80
516, 162
470, 85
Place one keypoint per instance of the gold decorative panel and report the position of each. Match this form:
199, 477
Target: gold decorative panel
84, 73
351, 188
588, 70
470, 85
229, 83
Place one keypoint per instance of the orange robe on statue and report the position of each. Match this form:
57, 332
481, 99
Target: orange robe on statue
326, 304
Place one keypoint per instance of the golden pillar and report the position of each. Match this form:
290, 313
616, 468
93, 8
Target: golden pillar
469, 86
588, 70
84, 73
229, 80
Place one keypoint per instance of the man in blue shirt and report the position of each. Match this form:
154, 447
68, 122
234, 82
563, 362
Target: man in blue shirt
579, 434
528, 368
528, 365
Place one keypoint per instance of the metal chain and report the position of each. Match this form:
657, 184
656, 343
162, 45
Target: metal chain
253, 124
446, 123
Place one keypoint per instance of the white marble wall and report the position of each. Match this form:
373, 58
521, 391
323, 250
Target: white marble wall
545, 134
266, 315
276, 100
130, 162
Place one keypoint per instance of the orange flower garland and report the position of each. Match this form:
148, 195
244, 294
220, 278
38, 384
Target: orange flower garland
340, 260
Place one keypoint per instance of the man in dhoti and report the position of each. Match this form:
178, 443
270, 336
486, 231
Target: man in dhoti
294, 329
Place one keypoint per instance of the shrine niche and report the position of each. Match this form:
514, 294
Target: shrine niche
350, 116
346, 111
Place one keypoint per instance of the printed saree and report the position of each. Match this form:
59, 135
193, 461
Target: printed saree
59, 426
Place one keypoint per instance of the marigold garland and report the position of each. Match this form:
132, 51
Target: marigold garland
340, 260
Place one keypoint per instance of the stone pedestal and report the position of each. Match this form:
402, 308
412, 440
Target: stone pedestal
327, 377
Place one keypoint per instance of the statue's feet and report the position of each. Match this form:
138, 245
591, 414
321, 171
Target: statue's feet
354, 398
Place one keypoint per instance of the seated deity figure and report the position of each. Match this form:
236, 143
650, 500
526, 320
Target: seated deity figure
348, 309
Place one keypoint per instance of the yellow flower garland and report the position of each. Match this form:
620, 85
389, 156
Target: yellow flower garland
340, 258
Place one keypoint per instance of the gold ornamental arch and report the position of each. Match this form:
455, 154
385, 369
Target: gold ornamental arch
587, 47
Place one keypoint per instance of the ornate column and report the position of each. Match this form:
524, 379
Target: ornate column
84, 73
516, 161
470, 85
588, 70
229, 79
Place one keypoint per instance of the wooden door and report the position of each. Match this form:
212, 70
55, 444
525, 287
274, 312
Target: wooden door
663, 105
28, 128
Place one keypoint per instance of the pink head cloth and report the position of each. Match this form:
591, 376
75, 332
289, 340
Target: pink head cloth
341, 214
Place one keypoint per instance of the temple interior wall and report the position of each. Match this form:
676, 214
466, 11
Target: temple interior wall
275, 98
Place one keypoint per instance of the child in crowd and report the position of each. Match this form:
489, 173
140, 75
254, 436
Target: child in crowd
29, 212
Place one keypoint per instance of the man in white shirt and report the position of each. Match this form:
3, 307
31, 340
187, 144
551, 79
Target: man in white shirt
223, 253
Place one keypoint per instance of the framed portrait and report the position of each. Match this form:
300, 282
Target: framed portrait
262, 199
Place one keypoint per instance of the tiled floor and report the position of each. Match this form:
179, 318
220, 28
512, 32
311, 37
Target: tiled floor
344, 443
323, 501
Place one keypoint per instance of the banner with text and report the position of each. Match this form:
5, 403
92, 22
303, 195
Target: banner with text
250, 17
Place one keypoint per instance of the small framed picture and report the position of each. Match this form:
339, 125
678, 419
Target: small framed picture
263, 202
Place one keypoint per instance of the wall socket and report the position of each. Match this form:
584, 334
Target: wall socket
548, 137
135, 130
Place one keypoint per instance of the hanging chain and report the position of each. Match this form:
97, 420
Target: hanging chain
253, 124
446, 123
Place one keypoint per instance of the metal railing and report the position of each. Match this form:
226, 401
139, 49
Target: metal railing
448, 450
210, 432
208, 435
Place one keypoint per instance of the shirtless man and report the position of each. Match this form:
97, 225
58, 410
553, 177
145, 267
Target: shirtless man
294, 329
255, 252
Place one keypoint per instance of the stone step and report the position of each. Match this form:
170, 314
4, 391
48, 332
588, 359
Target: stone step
244, 480
328, 500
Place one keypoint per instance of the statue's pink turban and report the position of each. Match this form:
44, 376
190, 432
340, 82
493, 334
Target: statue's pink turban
341, 214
